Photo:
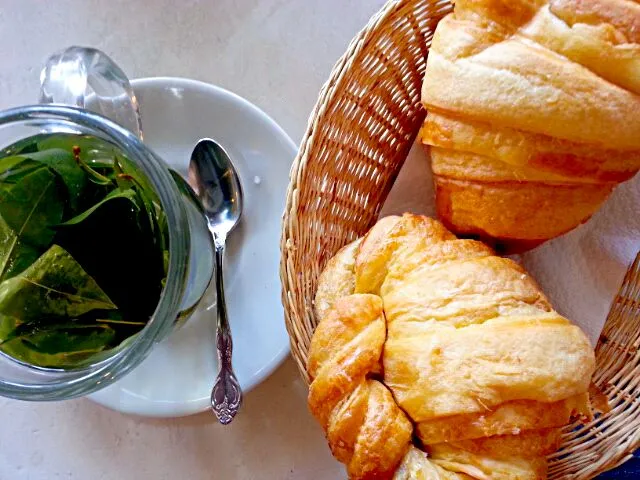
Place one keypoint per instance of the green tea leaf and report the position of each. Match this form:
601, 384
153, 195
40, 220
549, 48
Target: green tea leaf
57, 345
123, 180
165, 260
120, 322
121, 256
90, 150
90, 147
54, 286
101, 164
13, 169
62, 337
149, 210
25, 145
115, 319
7, 325
32, 206
128, 194
127, 176
136, 173
63, 163
94, 176
15, 256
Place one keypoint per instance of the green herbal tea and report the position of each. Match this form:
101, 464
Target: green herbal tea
83, 250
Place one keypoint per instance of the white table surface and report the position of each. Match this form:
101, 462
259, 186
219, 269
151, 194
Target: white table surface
277, 54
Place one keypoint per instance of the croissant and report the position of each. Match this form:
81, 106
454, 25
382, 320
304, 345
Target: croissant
425, 336
533, 114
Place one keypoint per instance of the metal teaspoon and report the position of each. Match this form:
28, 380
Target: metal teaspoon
216, 182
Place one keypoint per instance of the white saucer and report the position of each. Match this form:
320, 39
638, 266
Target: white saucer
176, 379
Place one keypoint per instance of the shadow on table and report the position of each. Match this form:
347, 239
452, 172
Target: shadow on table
273, 436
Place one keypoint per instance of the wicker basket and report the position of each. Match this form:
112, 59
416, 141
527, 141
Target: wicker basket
359, 134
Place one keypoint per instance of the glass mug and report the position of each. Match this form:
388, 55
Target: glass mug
67, 106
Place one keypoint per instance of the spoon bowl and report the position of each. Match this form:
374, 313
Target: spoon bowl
215, 180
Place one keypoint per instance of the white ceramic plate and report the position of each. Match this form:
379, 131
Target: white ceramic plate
176, 378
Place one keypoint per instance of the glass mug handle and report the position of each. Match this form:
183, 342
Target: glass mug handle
67, 75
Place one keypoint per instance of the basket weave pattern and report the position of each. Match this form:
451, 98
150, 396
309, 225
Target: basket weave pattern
359, 133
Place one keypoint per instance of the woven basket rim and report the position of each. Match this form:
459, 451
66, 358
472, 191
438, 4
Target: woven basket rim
339, 74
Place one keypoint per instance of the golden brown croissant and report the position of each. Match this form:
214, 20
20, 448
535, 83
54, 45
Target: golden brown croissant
423, 334
533, 114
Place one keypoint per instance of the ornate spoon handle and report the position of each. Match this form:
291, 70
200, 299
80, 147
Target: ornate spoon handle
226, 396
